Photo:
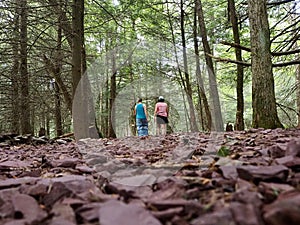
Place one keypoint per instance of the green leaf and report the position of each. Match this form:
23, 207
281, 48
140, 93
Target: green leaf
223, 151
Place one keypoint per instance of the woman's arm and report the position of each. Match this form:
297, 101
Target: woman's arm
145, 109
155, 110
167, 110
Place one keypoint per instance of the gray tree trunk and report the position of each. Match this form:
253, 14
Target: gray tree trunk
206, 120
298, 92
263, 94
25, 98
239, 121
79, 106
113, 95
218, 124
59, 58
187, 85
15, 103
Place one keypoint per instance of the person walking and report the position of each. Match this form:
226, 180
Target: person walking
141, 115
161, 114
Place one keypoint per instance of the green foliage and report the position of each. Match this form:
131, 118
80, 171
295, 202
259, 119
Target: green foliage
144, 28
223, 151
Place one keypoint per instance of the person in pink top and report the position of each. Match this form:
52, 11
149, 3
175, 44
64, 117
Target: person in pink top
161, 116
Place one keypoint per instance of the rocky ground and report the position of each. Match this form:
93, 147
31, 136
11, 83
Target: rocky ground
232, 178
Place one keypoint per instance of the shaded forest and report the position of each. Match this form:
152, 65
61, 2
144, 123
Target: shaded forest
80, 66
75, 68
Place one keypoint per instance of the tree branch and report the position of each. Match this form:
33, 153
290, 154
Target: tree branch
280, 2
295, 62
286, 53
218, 59
249, 50
53, 72
111, 15
235, 45
228, 60
287, 107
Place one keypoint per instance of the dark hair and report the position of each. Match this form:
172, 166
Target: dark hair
160, 100
140, 100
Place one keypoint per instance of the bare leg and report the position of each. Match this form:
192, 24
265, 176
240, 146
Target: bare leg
164, 129
157, 129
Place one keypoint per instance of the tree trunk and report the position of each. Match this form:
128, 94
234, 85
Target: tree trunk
106, 101
93, 129
214, 94
65, 23
132, 119
14, 76
113, 94
186, 115
52, 69
239, 121
25, 98
298, 93
66, 28
79, 106
58, 119
59, 58
263, 94
188, 88
202, 96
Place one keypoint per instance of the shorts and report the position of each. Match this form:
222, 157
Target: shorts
161, 119
142, 127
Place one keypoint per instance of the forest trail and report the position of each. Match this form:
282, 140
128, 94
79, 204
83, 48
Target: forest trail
243, 177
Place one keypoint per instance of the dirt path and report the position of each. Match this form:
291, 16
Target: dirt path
250, 177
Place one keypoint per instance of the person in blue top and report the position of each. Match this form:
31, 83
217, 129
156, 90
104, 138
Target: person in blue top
141, 115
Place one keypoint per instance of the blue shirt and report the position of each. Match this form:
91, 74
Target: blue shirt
140, 112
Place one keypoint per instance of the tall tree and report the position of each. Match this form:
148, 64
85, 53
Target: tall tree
25, 98
298, 93
206, 124
113, 95
15, 73
59, 57
214, 93
239, 121
80, 100
55, 65
263, 93
186, 80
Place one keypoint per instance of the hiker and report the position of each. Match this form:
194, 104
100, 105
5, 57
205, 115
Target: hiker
141, 115
161, 116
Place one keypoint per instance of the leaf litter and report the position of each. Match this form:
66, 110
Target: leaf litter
232, 178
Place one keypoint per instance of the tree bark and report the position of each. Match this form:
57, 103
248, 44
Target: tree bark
25, 98
298, 93
263, 93
15, 103
52, 69
113, 94
65, 23
106, 100
214, 93
189, 92
58, 119
239, 121
202, 96
79, 106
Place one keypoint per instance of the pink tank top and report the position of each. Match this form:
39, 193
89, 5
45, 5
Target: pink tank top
162, 109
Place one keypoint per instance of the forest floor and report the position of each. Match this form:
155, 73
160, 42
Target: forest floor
233, 178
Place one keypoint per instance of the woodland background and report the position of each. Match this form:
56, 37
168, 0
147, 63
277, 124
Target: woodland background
79, 66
